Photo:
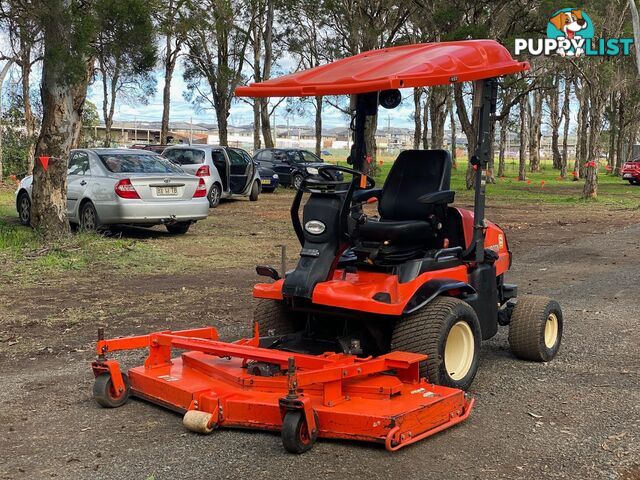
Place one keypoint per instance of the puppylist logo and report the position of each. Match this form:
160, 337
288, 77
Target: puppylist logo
570, 32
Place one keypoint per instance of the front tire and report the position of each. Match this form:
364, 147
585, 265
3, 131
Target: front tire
296, 181
89, 221
535, 330
448, 332
274, 318
179, 228
24, 208
255, 192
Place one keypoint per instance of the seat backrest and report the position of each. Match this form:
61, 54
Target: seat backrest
414, 173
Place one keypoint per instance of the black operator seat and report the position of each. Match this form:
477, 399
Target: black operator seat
413, 201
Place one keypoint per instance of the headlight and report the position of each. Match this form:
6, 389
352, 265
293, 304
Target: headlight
275, 176
315, 227
312, 170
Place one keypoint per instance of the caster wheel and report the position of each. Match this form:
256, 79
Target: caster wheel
105, 394
199, 422
296, 437
535, 331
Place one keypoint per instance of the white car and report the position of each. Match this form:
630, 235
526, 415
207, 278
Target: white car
125, 186
227, 172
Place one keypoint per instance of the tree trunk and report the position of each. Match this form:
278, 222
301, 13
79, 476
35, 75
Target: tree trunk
452, 120
29, 118
502, 147
425, 121
555, 118
582, 131
3, 74
565, 133
491, 165
256, 124
469, 127
370, 126
596, 111
169, 66
536, 121
522, 171
620, 140
62, 104
318, 125
265, 122
438, 114
267, 36
417, 117
222, 115
613, 130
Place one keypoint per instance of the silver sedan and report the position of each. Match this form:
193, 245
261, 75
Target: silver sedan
125, 186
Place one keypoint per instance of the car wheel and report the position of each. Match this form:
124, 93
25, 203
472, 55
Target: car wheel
24, 208
179, 228
448, 332
215, 193
296, 181
88, 218
255, 192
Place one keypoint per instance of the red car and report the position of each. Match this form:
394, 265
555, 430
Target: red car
631, 171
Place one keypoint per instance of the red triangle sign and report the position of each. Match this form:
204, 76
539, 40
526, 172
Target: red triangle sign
45, 162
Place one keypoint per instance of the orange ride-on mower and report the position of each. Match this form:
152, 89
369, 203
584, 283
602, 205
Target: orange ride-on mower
376, 332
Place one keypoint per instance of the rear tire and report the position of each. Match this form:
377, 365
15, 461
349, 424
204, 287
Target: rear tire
274, 315
535, 331
24, 208
255, 192
215, 192
448, 332
179, 228
88, 221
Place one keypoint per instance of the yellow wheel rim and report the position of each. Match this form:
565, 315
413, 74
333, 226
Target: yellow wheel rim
551, 330
459, 350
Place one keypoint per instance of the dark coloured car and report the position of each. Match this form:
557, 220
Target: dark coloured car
156, 148
269, 179
289, 163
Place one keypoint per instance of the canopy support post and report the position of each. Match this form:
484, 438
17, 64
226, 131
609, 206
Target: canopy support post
486, 97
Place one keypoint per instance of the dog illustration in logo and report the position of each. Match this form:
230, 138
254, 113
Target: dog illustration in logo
569, 23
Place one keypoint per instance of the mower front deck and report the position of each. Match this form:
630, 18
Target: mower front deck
239, 384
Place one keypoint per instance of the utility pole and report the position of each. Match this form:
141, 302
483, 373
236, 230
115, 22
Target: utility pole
191, 130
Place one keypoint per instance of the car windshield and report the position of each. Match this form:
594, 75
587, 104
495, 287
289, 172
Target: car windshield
294, 156
137, 163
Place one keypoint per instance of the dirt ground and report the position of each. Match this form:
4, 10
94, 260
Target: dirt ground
576, 417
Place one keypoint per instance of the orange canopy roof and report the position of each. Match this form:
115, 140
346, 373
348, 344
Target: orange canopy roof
420, 65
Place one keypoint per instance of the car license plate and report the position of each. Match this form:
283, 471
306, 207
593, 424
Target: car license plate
266, 182
167, 191
627, 175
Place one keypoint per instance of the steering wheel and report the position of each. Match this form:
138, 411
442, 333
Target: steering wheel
325, 182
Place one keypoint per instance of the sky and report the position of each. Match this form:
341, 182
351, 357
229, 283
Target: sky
241, 112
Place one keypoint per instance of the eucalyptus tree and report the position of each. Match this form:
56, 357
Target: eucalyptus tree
124, 67
70, 30
215, 57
